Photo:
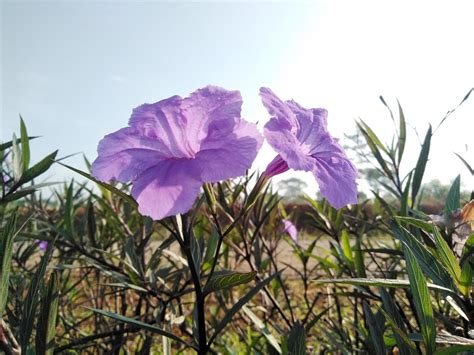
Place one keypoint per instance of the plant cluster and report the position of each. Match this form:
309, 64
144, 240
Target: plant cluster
83, 271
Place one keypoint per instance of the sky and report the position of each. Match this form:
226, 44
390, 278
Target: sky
75, 70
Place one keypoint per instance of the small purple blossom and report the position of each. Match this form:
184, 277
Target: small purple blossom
290, 228
42, 244
172, 147
302, 141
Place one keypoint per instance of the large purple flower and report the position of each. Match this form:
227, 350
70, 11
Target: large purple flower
301, 139
175, 145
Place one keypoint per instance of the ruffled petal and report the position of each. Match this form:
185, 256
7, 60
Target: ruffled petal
312, 123
164, 122
182, 124
167, 189
287, 145
336, 177
225, 156
279, 110
209, 110
301, 139
125, 154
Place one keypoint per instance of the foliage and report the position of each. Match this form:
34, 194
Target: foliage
223, 278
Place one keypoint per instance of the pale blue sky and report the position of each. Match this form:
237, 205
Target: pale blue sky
75, 70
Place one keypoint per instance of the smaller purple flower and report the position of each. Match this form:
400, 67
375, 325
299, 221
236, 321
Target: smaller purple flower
42, 244
290, 228
173, 146
302, 141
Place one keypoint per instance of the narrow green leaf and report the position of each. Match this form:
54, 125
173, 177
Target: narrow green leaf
388, 251
142, 325
16, 196
46, 328
69, 210
8, 144
404, 202
196, 252
297, 339
395, 320
447, 257
471, 170
346, 247
91, 223
426, 226
133, 259
373, 136
402, 135
316, 318
227, 279
32, 299
428, 262
422, 300
376, 329
374, 147
210, 196
454, 196
263, 329
6, 250
25, 145
444, 339
421, 165
39, 168
359, 258
468, 249
454, 109
211, 247
388, 107
242, 301
467, 275
455, 350
395, 283
108, 187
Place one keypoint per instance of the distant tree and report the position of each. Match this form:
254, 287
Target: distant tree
291, 189
436, 191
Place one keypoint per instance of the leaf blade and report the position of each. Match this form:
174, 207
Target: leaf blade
236, 307
228, 280
422, 300
421, 165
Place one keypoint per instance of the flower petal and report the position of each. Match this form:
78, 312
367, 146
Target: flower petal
125, 154
312, 123
42, 244
164, 122
167, 189
287, 145
336, 177
290, 228
211, 109
277, 166
278, 109
226, 156
182, 124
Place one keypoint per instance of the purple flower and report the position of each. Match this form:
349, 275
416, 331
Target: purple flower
42, 244
290, 229
301, 139
175, 145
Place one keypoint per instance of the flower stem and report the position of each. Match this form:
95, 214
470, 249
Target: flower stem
200, 297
